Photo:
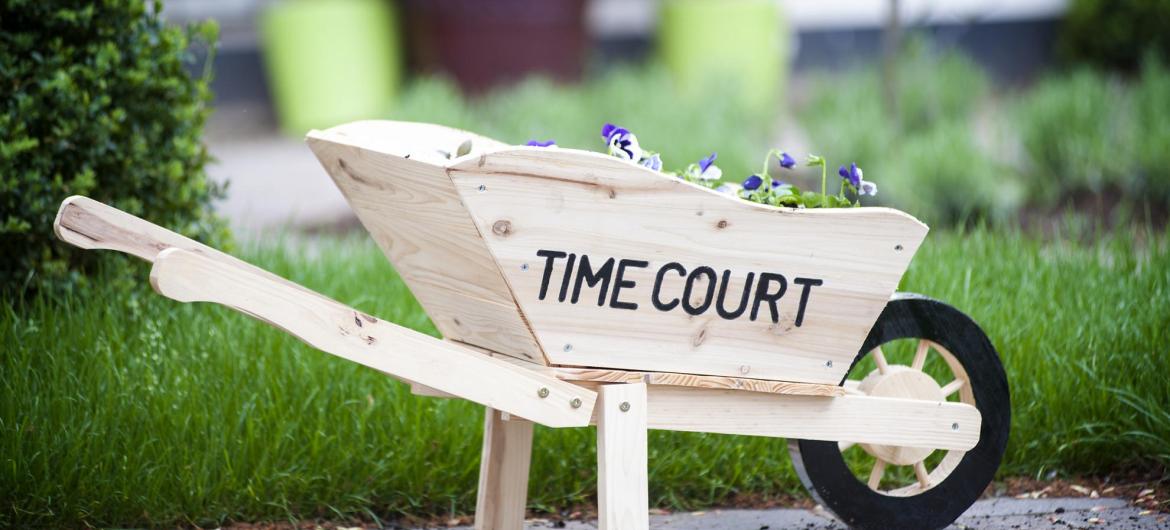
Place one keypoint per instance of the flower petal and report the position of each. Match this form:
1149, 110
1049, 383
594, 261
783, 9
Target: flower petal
706, 162
653, 162
538, 143
607, 131
786, 161
752, 183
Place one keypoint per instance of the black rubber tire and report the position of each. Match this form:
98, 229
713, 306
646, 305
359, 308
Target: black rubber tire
822, 468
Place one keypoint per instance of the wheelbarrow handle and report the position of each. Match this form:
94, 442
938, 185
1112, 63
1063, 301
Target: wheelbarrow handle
188, 271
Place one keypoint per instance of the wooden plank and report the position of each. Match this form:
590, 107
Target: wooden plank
411, 209
527, 200
334, 328
861, 419
622, 479
503, 473
700, 381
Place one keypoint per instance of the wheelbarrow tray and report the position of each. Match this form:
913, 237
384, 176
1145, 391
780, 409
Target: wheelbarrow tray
576, 259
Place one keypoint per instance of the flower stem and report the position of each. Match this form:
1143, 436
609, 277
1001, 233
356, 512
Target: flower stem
824, 185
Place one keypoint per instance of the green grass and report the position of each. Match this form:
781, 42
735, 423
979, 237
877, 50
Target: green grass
120, 407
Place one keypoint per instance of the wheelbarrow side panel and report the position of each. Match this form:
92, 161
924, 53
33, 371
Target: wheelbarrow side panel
388, 173
531, 204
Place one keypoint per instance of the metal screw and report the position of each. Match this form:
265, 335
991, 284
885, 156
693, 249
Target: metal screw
625, 406
482, 188
898, 248
524, 267
568, 348
543, 392
575, 403
828, 364
954, 426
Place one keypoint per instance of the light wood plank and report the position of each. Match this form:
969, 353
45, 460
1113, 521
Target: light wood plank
859, 419
334, 328
503, 473
529, 199
622, 480
699, 381
411, 209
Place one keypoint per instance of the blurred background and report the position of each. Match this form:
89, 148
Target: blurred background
960, 110
1032, 135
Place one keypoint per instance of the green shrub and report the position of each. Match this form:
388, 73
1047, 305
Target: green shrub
1087, 132
934, 154
96, 100
1074, 130
684, 128
1113, 34
1151, 104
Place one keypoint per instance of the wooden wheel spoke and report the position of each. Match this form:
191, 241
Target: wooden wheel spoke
923, 476
875, 474
952, 387
920, 355
879, 358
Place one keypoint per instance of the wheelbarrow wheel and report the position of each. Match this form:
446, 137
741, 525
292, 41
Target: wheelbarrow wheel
942, 484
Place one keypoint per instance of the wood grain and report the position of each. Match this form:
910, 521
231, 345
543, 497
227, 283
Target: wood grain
334, 328
862, 419
411, 209
699, 381
503, 473
622, 477
527, 199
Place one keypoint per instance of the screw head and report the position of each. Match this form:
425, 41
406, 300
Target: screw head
625, 406
745, 369
828, 364
898, 248
568, 348
543, 392
524, 267
575, 403
482, 187
954, 426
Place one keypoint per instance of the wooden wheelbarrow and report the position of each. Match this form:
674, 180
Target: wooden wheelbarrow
574, 288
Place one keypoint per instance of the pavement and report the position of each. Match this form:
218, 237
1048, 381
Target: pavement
989, 514
275, 183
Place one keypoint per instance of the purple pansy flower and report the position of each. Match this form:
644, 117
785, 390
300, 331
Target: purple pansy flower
538, 143
752, 183
786, 161
729, 188
853, 174
867, 188
653, 162
707, 168
778, 183
622, 143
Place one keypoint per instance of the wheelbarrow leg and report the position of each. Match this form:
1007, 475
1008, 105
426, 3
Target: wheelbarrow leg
622, 483
503, 472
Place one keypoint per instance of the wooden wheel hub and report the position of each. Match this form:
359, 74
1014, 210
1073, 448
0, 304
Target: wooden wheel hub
906, 383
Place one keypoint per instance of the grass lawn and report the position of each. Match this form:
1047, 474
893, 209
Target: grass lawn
131, 409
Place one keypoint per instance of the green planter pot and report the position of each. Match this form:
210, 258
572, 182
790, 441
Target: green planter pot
330, 62
705, 41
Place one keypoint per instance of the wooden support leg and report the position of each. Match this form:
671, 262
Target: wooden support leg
622, 484
503, 472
